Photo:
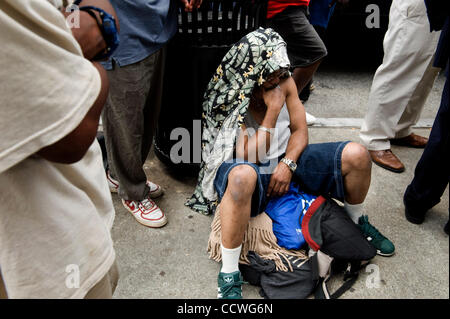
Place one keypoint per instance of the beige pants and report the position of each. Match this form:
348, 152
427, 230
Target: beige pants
104, 289
404, 80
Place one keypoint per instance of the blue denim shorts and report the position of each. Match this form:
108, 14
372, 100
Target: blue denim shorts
318, 172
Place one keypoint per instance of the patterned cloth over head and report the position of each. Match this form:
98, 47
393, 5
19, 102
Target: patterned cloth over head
226, 100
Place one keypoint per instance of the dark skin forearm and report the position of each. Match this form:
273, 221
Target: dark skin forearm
299, 130
282, 175
297, 143
88, 34
73, 147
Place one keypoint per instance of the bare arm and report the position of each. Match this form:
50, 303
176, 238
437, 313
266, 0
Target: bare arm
88, 34
299, 129
282, 175
253, 149
73, 147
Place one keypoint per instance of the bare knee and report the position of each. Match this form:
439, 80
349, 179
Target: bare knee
356, 157
241, 182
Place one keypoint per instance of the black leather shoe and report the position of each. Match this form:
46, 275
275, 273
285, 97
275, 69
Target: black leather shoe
415, 216
446, 228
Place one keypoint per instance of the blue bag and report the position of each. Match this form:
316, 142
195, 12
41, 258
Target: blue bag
287, 212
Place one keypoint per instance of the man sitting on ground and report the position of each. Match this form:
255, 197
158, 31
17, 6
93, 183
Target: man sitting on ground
254, 106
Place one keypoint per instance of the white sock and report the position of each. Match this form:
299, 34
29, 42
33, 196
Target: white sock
354, 211
230, 259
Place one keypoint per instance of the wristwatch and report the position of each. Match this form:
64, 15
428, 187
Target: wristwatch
290, 163
108, 28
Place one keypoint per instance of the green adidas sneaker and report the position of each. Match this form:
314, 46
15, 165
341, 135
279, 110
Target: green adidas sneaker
383, 245
230, 285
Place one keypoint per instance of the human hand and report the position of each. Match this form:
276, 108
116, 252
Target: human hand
189, 5
280, 180
274, 99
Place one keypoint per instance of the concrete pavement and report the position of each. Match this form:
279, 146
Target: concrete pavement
172, 262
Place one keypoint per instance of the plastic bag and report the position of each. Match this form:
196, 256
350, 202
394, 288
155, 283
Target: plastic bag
287, 212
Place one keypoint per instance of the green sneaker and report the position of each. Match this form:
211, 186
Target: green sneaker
383, 245
230, 285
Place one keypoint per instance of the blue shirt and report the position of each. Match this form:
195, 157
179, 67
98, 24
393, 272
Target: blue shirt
145, 26
320, 12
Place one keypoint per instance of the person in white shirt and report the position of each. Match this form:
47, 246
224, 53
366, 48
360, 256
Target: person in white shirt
56, 211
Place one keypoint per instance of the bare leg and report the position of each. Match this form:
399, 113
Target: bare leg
302, 76
356, 171
235, 206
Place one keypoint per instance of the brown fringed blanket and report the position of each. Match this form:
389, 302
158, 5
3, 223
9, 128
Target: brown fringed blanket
259, 238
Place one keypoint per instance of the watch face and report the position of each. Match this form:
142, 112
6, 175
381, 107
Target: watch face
291, 164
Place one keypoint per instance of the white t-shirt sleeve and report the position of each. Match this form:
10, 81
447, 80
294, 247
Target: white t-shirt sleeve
47, 85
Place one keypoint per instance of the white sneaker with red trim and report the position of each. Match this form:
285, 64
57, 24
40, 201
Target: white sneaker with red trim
112, 183
146, 212
155, 189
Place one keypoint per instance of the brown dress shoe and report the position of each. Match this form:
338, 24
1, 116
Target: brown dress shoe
387, 160
412, 140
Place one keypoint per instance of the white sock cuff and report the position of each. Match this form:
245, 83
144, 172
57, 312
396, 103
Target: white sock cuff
230, 259
230, 250
354, 210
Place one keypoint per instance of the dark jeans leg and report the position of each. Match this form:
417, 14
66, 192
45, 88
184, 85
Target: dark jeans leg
319, 169
432, 172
